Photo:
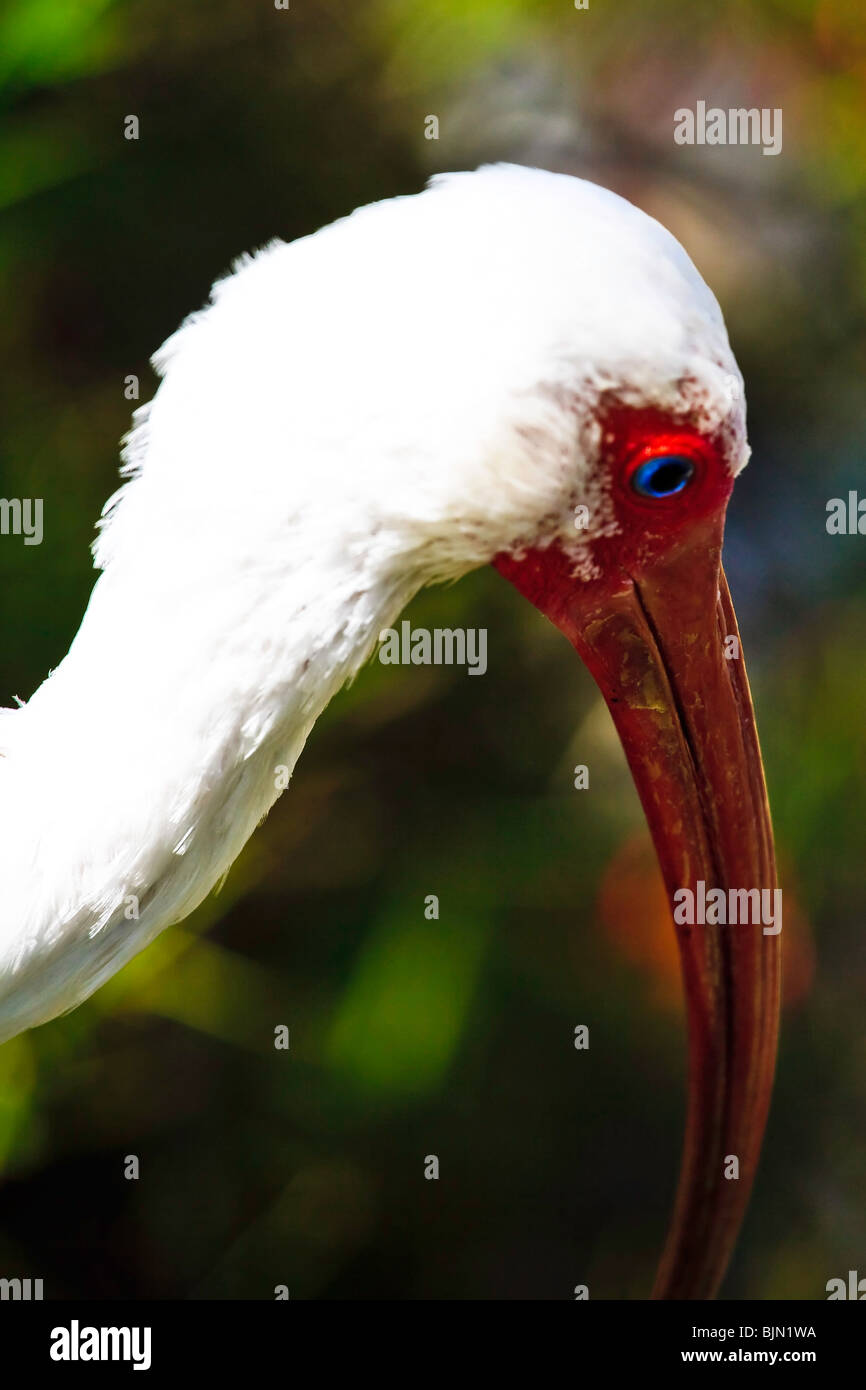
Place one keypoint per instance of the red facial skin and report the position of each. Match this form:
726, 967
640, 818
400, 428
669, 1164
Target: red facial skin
649, 527
652, 627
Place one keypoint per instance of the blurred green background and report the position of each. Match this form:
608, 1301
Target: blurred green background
411, 1037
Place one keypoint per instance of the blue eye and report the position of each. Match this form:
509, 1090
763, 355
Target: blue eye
664, 476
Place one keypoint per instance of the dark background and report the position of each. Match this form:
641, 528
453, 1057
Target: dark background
454, 1037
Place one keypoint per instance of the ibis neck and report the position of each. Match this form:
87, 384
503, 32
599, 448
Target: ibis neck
134, 776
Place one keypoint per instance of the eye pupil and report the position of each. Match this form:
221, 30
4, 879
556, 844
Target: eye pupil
663, 477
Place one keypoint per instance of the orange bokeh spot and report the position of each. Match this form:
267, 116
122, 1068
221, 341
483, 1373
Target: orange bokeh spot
635, 913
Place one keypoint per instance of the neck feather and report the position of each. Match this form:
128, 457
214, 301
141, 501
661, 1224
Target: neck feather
132, 779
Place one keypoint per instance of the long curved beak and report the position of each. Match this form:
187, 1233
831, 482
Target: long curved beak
665, 651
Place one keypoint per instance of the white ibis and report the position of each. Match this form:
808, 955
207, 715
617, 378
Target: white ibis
512, 367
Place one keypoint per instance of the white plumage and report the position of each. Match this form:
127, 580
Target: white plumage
388, 403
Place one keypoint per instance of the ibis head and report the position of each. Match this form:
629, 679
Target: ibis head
512, 367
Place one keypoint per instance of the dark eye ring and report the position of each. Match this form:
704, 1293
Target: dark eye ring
663, 476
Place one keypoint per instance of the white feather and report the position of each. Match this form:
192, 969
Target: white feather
385, 404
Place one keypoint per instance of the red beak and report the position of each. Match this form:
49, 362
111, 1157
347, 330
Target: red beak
656, 645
